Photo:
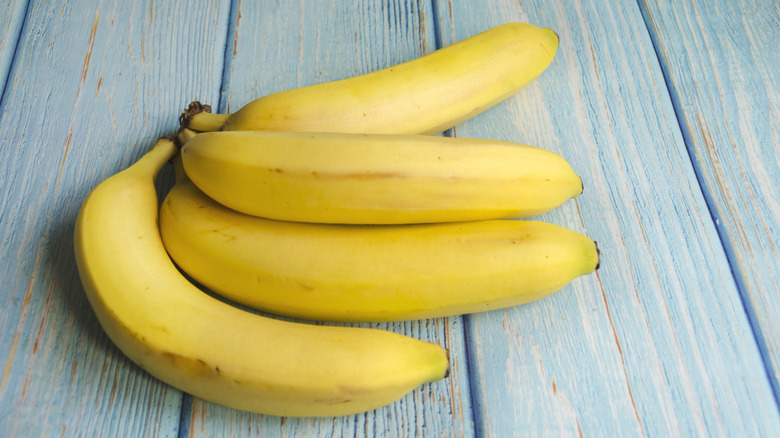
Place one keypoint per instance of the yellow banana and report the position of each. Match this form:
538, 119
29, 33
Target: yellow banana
216, 351
368, 273
423, 96
376, 178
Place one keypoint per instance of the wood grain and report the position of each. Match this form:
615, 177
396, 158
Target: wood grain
722, 63
93, 84
654, 344
11, 22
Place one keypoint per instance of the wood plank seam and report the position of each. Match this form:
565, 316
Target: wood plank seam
727, 244
185, 416
17, 37
229, 52
187, 400
476, 413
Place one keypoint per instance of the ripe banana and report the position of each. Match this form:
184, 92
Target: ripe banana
368, 273
216, 351
376, 178
423, 96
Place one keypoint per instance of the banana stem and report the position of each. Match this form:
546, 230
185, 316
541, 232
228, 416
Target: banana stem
184, 135
198, 117
204, 122
178, 169
151, 162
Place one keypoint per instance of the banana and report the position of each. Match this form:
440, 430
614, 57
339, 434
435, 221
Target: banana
211, 349
376, 178
423, 96
368, 273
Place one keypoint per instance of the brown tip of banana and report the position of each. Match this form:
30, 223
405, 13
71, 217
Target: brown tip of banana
598, 256
194, 107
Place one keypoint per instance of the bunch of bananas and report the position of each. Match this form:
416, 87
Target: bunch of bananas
329, 202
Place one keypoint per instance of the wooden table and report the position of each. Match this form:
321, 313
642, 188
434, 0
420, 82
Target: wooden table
668, 109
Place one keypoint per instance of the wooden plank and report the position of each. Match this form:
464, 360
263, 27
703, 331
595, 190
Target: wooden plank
657, 343
92, 86
290, 44
10, 27
722, 63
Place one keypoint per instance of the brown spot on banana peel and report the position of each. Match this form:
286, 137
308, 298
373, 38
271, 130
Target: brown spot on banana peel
194, 366
228, 237
333, 401
304, 286
376, 175
357, 176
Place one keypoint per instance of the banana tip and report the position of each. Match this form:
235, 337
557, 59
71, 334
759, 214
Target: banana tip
598, 256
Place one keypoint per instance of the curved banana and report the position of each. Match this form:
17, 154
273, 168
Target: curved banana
368, 273
215, 351
423, 96
376, 178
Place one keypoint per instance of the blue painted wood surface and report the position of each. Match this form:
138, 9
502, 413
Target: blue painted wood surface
10, 28
668, 110
724, 84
